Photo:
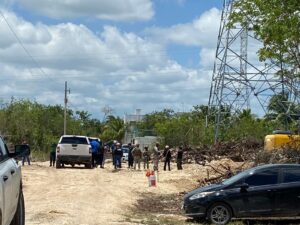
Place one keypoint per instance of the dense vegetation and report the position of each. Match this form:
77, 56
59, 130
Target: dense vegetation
41, 125
276, 23
196, 128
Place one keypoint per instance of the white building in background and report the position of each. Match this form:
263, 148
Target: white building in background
132, 133
137, 117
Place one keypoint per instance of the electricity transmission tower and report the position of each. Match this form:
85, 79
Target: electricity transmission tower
239, 80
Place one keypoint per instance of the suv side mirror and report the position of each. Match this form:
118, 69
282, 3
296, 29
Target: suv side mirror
18, 151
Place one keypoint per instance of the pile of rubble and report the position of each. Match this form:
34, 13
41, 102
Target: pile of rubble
225, 159
237, 151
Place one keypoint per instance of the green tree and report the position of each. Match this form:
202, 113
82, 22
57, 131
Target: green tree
114, 128
276, 23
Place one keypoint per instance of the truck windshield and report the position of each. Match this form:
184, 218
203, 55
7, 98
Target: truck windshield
74, 140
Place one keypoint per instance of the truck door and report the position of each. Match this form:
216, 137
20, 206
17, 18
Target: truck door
6, 185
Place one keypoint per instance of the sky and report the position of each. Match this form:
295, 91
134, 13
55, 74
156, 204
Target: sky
125, 54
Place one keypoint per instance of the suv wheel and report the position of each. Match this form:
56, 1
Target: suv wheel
88, 165
219, 214
19, 217
58, 164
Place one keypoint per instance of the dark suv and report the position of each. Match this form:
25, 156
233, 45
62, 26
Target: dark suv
265, 191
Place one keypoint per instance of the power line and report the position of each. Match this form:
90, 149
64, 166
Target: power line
24, 48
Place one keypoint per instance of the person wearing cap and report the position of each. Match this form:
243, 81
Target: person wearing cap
167, 155
137, 156
118, 156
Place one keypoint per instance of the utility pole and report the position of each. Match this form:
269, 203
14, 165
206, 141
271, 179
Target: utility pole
66, 102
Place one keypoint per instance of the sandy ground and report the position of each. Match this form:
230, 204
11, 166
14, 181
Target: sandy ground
79, 196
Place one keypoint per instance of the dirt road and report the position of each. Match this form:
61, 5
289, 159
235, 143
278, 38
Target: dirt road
79, 196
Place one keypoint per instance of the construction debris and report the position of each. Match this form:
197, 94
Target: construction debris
238, 151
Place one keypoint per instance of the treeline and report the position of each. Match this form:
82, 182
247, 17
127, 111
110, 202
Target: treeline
195, 128
41, 125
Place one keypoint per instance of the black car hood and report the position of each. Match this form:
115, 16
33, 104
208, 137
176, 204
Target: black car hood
212, 187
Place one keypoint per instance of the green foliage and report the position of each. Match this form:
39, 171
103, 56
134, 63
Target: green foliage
196, 128
42, 125
276, 23
114, 128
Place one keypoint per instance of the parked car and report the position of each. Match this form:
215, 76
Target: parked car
265, 191
12, 209
125, 149
73, 149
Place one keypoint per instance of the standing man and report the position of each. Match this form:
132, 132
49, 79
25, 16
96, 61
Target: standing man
113, 148
100, 155
146, 157
105, 150
130, 156
118, 156
167, 155
156, 154
52, 155
137, 156
95, 146
179, 158
26, 152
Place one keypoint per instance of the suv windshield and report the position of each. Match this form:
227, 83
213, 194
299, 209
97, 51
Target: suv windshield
74, 140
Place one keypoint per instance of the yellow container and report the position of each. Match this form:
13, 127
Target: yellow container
280, 141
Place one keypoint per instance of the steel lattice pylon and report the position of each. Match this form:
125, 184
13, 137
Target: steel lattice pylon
239, 80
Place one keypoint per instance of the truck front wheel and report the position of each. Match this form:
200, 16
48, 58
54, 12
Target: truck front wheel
19, 217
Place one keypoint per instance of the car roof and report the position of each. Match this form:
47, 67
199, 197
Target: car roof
74, 136
271, 166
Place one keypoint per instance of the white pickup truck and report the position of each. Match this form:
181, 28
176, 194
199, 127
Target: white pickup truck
12, 210
73, 149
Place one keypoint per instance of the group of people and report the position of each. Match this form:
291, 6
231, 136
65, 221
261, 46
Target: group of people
98, 153
136, 156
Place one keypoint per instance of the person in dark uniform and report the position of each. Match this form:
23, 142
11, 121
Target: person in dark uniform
118, 156
26, 153
179, 158
130, 156
53, 154
167, 155
100, 155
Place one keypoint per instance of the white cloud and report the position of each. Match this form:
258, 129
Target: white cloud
203, 31
115, 10
115, 68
